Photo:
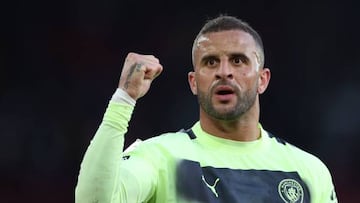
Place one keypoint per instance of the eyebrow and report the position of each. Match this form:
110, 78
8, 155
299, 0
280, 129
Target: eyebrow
241, 55
231, 56
208, 57
244, 57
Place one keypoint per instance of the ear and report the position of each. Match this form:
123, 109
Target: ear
264, 79
192, 82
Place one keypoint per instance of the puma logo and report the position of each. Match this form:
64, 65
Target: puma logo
212, 188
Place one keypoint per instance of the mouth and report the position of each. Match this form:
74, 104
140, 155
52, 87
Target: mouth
224, 93
224, 90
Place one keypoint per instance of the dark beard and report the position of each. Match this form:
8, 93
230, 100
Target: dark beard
244, 102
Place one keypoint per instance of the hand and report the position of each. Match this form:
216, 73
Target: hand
137, 74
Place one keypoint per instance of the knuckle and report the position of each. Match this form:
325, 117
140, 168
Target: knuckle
132, 56
156, 59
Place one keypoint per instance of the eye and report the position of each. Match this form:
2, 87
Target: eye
237, 61
211, 62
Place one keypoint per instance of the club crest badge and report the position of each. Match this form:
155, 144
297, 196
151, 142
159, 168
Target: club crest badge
291, 191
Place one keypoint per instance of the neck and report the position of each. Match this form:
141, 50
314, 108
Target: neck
245, 128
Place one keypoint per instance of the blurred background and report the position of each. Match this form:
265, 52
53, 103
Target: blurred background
61, 60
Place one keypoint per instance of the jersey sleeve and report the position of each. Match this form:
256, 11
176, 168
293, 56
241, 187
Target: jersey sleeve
328, 194
320, 181
104, 176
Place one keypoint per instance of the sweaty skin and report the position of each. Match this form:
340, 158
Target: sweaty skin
201, 39
197, 45
231, 59
258, 61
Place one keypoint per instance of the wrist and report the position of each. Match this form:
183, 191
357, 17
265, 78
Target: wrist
123, 97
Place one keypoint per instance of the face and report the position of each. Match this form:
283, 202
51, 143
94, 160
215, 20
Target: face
228, 76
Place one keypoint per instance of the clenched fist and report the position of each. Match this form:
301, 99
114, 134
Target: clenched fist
137, 74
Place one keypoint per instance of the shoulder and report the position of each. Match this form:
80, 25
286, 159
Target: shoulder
166, 141
161, 151
168, 138
301, 156
311, 169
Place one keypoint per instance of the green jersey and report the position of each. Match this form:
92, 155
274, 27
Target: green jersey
194, 166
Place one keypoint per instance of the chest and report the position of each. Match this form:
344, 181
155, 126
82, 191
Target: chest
210, 184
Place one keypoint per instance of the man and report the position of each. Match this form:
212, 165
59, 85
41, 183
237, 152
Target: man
225, 157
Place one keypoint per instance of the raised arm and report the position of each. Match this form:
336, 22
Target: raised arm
103, 176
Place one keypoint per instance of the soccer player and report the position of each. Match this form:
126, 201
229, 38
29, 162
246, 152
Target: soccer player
226, 156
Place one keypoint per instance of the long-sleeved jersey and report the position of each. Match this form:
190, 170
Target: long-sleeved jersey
194, 166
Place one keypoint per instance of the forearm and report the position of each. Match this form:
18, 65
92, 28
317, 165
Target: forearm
99, 169
103, 175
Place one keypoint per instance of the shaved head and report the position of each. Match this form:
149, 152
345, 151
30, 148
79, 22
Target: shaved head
225, 23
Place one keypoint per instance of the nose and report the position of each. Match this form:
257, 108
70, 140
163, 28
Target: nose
224, 71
